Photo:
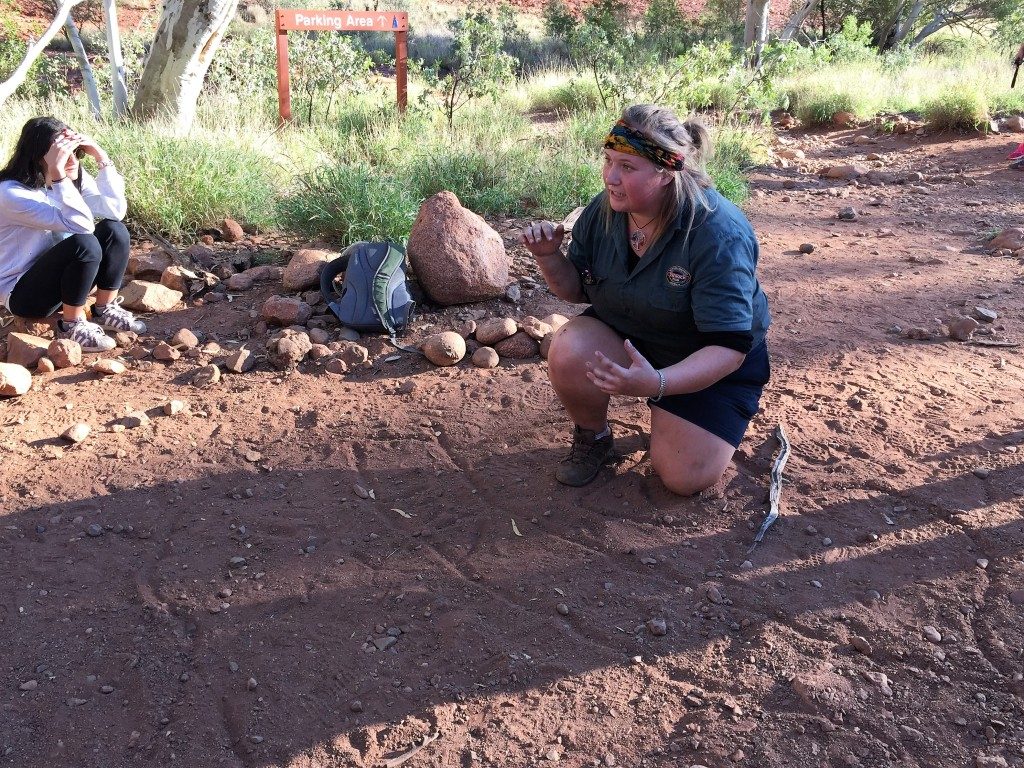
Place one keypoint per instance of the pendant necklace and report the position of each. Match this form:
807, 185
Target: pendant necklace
638, 239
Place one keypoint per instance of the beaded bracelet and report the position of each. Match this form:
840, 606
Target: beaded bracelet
661, 386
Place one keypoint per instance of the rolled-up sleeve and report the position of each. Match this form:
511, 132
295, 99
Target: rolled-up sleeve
105, 194
63, 210
724, 284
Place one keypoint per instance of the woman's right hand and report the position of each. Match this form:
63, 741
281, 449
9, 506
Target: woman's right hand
56, 158
542, 238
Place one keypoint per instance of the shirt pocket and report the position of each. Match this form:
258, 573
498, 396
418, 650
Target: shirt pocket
669, 309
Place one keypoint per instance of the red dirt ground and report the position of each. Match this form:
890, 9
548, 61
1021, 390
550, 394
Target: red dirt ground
902, 509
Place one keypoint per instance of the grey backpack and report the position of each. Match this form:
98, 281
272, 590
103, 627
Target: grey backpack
374, 294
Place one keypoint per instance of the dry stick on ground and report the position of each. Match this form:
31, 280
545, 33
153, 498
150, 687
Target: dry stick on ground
394, 762
776, 491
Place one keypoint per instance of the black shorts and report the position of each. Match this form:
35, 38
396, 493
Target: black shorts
726, 407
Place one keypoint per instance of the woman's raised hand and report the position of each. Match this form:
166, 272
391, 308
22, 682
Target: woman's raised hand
91, 148
542, 238
61, 150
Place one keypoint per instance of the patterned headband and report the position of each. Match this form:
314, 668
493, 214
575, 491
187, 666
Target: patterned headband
624, 139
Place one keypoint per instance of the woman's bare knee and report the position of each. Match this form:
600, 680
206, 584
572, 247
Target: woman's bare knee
683, 483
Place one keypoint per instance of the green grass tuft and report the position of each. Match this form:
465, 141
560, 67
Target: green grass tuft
960, 108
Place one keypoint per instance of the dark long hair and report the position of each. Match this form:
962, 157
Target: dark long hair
26, 164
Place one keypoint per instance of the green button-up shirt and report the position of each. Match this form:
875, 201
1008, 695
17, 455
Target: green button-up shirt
690, 281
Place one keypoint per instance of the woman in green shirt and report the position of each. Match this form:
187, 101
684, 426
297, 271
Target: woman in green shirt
676, 312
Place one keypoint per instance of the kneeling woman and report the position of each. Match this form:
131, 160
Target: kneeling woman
676, 312
61, 234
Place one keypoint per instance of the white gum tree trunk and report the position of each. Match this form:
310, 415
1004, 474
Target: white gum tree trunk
116, 59
755, 32
83, 61
11, 84
797, 20
185, 41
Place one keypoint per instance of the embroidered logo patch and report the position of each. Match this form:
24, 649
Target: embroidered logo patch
677, 277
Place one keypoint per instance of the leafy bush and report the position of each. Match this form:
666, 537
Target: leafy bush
816, 105
961, 107
178, 185
566, 95
852, 42
350, 202
324, 64
476, 66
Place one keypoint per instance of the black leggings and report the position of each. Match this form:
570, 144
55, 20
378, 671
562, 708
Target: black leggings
68, 272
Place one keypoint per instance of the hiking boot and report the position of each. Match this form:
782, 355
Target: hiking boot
117, 318
586, 457
89, 335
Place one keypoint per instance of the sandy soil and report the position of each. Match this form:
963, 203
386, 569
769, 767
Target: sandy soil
902, 509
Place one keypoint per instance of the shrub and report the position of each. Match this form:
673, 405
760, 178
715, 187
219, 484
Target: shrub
348, 202
179, 185
961, 107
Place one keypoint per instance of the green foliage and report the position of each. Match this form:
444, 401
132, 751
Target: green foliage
559, 21
178, 185
350, 202
816, 105
664, 29
961, 107
852, 42
1010, 31
46, 76
245, 64
476, 65
324, 64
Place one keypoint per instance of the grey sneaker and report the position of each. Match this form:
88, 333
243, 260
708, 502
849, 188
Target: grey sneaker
117, 318
586, 457
89, 335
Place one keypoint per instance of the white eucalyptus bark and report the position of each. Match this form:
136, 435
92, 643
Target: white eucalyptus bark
755, 32
797, 20
83, 61
11, 84
184, 45
117, 76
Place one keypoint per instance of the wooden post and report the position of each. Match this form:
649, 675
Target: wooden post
284, 94
402, 68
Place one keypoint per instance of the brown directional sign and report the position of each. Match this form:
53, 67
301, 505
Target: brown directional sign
317, 20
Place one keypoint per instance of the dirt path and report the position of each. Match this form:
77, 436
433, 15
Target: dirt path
352, 629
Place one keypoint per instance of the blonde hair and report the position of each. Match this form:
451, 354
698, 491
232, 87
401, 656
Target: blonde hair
691, 139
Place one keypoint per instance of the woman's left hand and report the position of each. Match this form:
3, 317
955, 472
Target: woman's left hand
89, 146
638, 380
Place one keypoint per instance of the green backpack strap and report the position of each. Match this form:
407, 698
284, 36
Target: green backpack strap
381, 282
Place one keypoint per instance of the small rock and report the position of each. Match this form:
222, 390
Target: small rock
485, 357
94, 530
45, 365
251, 684
236, 562
174, 407
185, 338
356, 706
807, 248
552, 756
164, 351
563, 609
28, 685
232, 231
206, 376
240, 361
985, 315
336, 366
861, 645
109, 367
14, 380
982, 473
64, 353
715, 595
135, 419
931, 633
848, 214
657, 627
77, 433
982, 563
962, 328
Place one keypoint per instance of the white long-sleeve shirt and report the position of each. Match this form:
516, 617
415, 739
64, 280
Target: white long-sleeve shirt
33, 220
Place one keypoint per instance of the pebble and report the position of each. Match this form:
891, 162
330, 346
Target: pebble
236, 561
657, 627
553, 755
816, 583
94, 530
981, 473
746, 565
29, 685
233, 666
106, 689
931, 633
982, 563
715, 595
251, 684
562, 609
807, 248
861, 645
356, 706
77, 433
173, 407
848, 214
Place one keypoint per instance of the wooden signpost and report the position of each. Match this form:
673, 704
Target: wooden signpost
340, 21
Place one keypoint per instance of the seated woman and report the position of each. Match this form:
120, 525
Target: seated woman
61, 234
676, 312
